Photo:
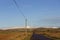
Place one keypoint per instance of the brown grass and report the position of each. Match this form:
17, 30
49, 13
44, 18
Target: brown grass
17, 34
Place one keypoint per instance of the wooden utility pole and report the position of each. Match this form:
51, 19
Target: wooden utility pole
26, 27
22, 15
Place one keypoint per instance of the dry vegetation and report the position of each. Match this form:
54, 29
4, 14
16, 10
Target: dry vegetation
13, 34
20, 34
49, 32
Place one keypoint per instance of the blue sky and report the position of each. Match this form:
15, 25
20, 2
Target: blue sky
38, 13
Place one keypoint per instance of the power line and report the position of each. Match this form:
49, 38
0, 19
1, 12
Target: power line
19, 9
22, 15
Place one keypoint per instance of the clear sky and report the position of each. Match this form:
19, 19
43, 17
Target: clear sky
38, 13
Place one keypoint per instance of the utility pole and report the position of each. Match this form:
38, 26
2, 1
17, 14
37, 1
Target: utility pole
26, 27
25, 23
23, 16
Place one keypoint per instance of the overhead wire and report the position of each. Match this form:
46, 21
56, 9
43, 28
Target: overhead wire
19, 8
22, 15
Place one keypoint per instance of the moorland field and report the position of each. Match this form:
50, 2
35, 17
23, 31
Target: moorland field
21, 34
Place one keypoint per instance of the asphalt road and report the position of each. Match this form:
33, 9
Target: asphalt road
39, 37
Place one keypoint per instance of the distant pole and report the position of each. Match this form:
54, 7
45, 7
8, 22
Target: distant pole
26, 27
25, 23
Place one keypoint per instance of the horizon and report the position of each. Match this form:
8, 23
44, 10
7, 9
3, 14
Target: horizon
18, 27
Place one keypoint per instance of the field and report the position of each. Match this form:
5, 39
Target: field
20, 34
14, 34
52, 33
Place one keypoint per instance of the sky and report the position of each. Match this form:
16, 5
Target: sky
37, 12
